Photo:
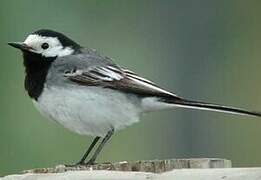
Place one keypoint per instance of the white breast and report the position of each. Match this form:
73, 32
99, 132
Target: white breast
88, 110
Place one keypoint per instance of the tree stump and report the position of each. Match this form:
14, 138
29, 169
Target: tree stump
140, 170
154, 166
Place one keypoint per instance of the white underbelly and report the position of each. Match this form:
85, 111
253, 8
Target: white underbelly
88, 110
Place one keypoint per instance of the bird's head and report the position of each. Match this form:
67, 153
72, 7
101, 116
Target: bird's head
47, 44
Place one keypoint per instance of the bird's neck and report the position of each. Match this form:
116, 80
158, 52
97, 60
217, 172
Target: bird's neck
36, 69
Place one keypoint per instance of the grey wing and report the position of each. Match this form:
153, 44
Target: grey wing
105, 73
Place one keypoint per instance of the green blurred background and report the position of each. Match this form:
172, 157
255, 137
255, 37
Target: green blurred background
204, 50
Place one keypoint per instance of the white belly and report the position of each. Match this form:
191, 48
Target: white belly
88, 110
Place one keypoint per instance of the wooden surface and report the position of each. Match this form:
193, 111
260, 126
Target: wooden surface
212, 174
155, 166
178, 174
138, 170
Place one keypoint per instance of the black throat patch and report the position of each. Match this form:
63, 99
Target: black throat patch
36, 69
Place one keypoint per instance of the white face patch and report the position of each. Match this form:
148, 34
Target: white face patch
55, 47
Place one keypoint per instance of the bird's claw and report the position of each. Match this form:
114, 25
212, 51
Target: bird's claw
89, 163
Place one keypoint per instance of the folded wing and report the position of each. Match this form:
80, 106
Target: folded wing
117, 78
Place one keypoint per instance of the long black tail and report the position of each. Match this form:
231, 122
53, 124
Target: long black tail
179, 102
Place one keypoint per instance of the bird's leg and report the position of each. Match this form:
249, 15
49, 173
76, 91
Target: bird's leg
99, 148
95, 140
81, 162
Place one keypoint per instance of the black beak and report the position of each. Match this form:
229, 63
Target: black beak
20, 45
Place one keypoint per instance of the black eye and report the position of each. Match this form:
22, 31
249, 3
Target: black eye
45, 46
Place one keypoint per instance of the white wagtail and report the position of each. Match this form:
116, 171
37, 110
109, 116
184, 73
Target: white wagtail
88, 93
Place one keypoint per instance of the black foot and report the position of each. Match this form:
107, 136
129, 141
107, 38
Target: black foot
75, 165
89, 163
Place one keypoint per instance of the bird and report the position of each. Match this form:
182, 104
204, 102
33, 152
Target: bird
88, 93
